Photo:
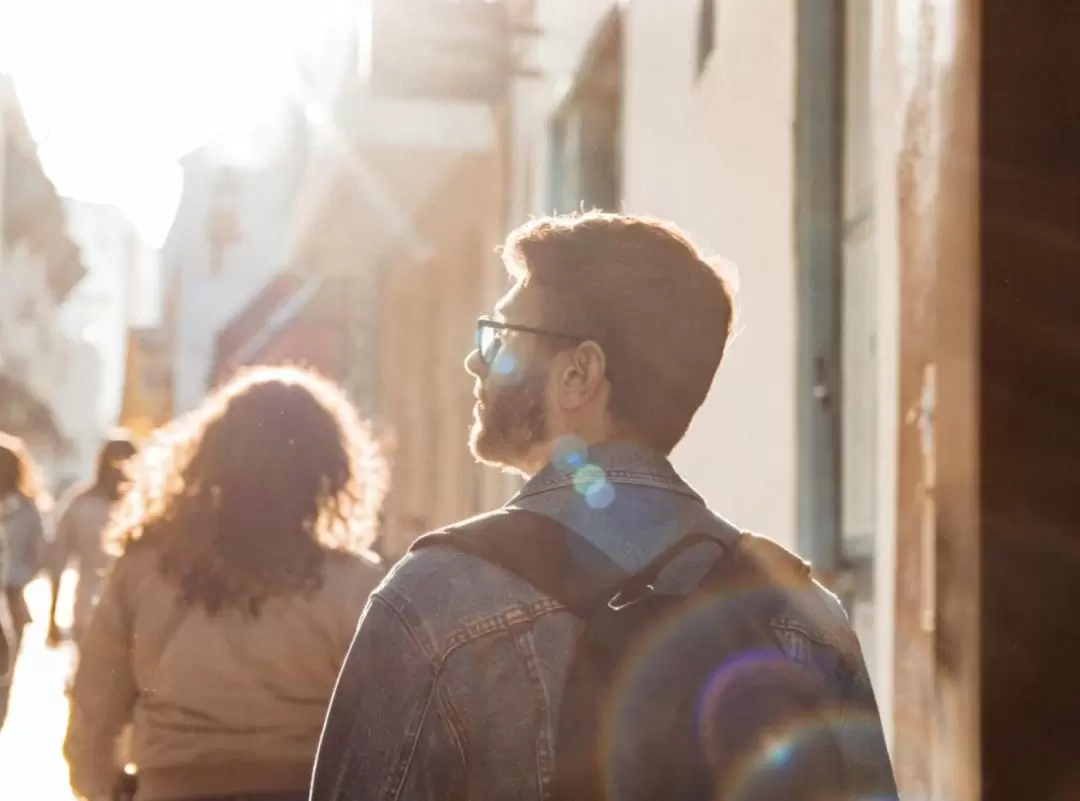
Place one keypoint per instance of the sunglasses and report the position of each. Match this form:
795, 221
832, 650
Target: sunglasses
489, 337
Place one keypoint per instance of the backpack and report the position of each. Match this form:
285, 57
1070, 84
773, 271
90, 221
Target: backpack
672, 696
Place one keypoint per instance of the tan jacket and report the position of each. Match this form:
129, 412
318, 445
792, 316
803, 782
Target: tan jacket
220, 705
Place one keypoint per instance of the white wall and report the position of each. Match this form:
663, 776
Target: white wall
269, 163
35, 351
29, 334
121, 269
263, 203
887, 78
82, 378
33, 347
714, 154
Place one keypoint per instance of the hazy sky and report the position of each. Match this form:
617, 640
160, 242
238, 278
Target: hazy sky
115, 91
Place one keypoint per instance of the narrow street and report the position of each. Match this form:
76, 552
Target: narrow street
31, 764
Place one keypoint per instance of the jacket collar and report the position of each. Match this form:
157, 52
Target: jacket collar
614, 462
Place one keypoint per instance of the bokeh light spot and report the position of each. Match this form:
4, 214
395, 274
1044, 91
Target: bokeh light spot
505, 364
778, 754
570, 453
603, 497
589, 479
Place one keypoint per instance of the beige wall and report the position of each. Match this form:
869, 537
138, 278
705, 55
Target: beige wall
886, 82
713, 152
715, 155
428, 310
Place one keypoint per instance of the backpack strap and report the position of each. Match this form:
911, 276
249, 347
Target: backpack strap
565, 566
546, 554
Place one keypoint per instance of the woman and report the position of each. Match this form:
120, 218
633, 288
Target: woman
222, 626
80, 534
22, 500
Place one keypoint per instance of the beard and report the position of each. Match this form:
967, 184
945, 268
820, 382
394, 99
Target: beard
510, 421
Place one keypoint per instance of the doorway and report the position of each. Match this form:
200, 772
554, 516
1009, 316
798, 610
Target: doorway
1030, 398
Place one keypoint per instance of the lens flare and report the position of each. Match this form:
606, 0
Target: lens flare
589, 479
504, 364
602, 498
795, 730
664, 654
569, 453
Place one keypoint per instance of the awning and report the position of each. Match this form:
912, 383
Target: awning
265, 331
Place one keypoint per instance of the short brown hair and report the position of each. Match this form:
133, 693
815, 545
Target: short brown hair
644, 292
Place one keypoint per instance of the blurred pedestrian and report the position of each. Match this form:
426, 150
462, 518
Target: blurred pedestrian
222, 625
80, 534
604, 634
22, 548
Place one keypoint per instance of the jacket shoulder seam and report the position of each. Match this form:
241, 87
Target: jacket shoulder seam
425, 648
506, 620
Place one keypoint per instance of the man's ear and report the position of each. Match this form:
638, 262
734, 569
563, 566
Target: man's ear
583, 373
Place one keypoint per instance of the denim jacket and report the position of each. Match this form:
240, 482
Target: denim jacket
451, 687
21, 541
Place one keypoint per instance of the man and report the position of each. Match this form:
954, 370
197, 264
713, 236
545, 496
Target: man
587, 376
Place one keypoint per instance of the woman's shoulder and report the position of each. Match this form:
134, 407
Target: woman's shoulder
352, 562
74, 494
78, 500
348, 572
137, 558
15, 503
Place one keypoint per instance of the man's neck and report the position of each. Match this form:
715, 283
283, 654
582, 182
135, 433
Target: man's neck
569, 453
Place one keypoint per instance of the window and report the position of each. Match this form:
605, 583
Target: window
223, 226
706, 39
586, 133
224, 232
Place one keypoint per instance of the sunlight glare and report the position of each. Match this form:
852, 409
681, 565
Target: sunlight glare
116, 91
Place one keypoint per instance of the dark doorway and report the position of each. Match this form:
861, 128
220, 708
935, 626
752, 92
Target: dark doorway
1030, 397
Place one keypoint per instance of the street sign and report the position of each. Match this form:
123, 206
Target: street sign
444, 49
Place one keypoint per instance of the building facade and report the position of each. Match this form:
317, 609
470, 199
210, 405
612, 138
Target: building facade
431, 152
752, 125
255, 264
40, 265
118, 293
226, 243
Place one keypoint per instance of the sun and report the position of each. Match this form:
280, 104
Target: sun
116, 91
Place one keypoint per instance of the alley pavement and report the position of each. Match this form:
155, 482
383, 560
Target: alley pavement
32, 767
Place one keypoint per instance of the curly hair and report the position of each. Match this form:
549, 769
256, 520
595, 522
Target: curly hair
19, 472
244, 498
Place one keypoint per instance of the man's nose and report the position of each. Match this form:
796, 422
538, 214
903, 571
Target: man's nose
474, 365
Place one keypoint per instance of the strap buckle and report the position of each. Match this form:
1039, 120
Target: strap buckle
617, 604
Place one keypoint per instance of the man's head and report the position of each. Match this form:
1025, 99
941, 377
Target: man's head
613, 330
